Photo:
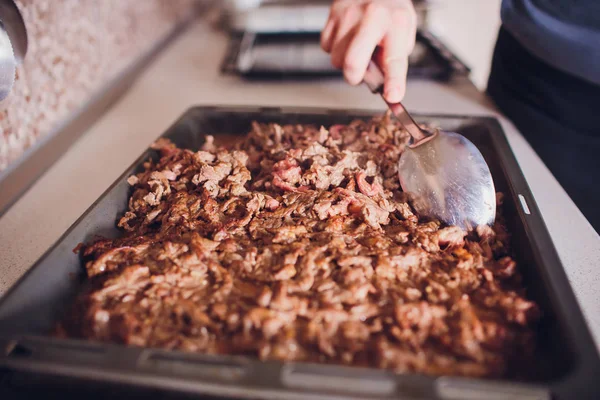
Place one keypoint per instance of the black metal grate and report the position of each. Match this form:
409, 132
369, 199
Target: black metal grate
430, 60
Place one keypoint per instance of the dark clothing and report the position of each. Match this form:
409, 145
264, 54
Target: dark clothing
559, 115
563, 33
577, 12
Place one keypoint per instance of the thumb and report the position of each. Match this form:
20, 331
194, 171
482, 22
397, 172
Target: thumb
395, 79
395, 50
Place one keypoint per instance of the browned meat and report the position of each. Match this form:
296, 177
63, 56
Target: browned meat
297, 244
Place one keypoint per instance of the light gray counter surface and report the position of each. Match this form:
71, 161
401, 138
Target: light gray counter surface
187, 74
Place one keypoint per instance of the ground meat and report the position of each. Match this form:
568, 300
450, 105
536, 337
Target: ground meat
297, 244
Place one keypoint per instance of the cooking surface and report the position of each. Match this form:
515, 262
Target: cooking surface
188, 74
62, 70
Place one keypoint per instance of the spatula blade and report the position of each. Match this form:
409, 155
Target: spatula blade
449, 180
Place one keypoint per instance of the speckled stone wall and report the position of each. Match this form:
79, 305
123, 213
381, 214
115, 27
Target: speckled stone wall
76, 47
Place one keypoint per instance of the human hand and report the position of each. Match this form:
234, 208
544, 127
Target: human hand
354, 30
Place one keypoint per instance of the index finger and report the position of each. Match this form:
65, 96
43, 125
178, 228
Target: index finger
370, 33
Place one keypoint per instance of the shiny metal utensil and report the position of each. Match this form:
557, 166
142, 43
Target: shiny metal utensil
445, 172
13, 23
13, 44
8, 64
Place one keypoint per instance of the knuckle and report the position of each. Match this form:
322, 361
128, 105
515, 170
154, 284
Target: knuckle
376, 10
337, 8
350, 10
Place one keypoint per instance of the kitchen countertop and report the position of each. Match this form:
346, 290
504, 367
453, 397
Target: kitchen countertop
187, 74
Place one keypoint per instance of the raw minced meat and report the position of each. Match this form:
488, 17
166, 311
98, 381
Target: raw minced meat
298, 244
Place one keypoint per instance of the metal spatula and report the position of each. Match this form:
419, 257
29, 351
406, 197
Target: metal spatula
444, 171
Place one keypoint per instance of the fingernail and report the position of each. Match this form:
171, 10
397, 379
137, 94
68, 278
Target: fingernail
350, 76
392, 95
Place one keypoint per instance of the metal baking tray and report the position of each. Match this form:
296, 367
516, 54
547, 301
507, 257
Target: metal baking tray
299, 55
566, 364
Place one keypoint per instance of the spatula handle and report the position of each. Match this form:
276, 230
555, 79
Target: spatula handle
375, 80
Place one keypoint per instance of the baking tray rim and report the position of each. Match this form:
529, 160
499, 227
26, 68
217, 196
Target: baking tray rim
557, 279
343, 381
